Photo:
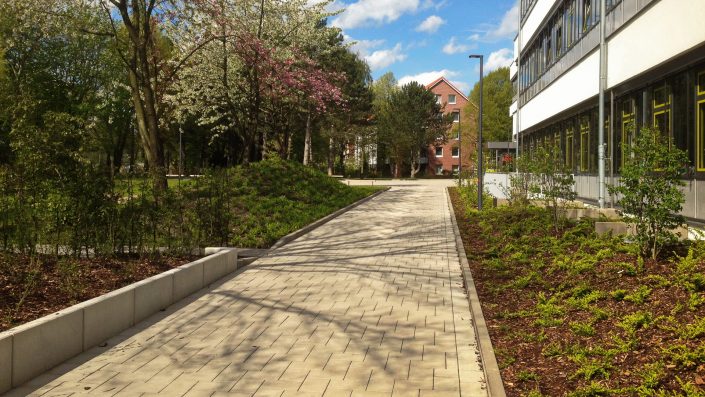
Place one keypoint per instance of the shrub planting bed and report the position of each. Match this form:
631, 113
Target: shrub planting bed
247, 206
574, 314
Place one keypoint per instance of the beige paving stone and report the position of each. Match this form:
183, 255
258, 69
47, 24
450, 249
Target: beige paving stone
369, 304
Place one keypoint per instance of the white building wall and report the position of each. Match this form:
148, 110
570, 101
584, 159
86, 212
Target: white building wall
580, 83
667, 29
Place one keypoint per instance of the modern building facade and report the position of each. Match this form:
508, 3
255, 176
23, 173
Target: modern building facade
654, 74
445, 158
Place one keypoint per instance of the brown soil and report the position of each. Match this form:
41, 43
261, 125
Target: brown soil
32, 288
558, 359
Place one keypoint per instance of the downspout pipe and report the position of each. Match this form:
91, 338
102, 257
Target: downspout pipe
518, 126
601, 122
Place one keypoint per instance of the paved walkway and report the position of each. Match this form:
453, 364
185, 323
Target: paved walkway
370, 304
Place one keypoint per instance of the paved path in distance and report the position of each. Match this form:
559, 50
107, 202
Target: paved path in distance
369, 304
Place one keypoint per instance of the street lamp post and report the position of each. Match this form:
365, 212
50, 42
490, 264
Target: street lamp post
479, 138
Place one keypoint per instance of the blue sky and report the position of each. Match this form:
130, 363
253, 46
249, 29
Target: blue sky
424, 39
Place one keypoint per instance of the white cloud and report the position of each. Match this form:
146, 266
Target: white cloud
383, 58
364, 12
331, 7
431, 24
507, 28
362, 47
429, 77
499, 59
453, 47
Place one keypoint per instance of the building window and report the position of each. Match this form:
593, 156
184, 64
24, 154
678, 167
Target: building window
559, 35
608, 144
456, 152
700, 144
585, 144
628, 127
456, 117
438, 99
570, 20
587, 15
456, 169
556, 145
439, 152
451, 99
662, 111
439, 170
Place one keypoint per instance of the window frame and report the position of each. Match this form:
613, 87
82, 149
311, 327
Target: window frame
437, 149
628, 119
453, 150
456, 117
569, 147
584, 144
700, 124
663, 109
455, 99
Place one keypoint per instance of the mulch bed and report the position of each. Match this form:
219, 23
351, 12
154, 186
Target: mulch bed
579, 349
31, 288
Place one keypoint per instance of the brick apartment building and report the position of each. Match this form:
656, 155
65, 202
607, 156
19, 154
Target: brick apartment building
444, 159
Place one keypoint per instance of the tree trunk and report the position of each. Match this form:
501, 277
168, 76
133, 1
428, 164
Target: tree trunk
307, 140
148, 128
143, 84
330, 156
342, 159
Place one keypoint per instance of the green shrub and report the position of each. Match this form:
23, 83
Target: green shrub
552, 181
649, 189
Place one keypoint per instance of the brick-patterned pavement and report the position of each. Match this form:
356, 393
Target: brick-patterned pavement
369, 304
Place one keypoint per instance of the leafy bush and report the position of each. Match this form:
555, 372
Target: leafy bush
650, 189
551, 180
86, 213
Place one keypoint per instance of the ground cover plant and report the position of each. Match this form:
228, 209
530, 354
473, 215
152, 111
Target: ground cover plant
61, 246
574, 314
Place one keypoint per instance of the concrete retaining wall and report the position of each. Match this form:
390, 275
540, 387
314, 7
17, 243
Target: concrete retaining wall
33, 348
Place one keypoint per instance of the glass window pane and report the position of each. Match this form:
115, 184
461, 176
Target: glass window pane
701, 135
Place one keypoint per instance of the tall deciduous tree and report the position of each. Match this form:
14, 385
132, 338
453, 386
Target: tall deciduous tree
412, 121
496, 122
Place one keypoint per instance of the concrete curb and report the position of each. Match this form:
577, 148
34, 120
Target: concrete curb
31, 349
493, 377
298, 233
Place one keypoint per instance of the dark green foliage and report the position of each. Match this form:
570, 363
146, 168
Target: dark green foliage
408, 123
649, 190
496, 121
246, 206
614, 323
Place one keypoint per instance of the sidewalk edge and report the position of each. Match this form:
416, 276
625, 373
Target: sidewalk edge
493, 377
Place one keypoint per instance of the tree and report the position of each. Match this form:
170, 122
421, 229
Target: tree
382, 90
650, 189
263, 73
350, 123
498, 93
411, 122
